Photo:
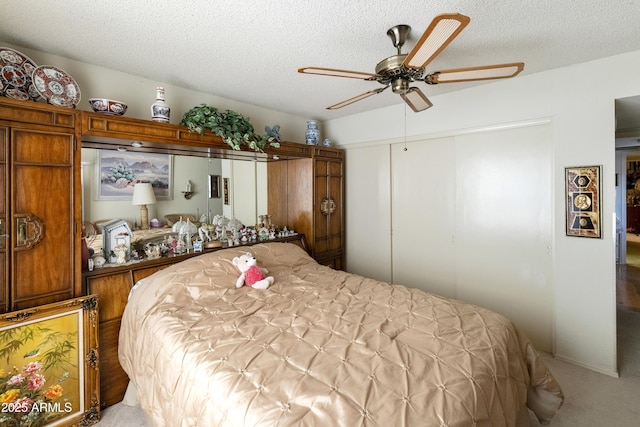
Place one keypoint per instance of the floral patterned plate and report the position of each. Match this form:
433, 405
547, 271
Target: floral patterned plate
56, 86
16, 69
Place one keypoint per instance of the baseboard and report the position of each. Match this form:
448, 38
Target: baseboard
614, 374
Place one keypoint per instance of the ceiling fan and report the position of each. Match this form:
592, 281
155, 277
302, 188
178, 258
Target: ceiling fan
400, 70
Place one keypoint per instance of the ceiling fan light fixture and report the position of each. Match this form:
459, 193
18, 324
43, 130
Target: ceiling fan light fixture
416, 99
400, 86
438, 35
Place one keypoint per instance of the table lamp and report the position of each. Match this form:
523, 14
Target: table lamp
143, 195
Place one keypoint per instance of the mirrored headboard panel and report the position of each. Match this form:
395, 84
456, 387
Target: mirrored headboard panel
188, 158
106, 198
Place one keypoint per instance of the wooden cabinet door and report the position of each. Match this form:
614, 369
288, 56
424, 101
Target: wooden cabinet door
42, 217
328, 189
4, 230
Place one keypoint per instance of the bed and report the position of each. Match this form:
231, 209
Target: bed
321, 347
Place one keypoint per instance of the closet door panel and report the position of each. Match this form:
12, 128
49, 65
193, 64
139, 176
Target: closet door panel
423, 206
368, 211
503, 226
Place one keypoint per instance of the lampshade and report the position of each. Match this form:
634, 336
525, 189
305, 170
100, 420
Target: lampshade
143, 194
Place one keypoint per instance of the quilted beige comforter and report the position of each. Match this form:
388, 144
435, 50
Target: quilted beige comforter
321, 348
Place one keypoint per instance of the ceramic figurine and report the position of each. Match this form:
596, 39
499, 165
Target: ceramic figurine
273, 132
152, 250
121, 254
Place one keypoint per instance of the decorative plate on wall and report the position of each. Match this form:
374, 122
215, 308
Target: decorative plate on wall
16, 71
56, 86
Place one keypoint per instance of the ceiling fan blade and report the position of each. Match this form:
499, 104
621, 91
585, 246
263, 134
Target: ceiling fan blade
488, 72
442, 30
356, 98
337, 73
416, 99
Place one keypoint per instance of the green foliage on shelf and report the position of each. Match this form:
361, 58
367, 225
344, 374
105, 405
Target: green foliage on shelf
235, 129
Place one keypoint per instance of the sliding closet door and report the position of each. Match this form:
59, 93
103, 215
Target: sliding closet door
368, 212
423, 209
503, 226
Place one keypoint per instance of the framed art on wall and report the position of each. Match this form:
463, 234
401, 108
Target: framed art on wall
49, 365
117, 173
214, 186
583, 216
225, 191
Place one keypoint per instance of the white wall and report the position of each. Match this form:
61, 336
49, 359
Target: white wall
581, 109
139, 93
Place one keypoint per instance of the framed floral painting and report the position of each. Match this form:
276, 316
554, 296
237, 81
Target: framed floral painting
49, 365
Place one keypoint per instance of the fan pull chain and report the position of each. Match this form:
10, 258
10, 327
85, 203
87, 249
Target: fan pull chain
405, 128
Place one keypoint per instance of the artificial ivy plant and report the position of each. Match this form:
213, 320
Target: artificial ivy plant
232, 127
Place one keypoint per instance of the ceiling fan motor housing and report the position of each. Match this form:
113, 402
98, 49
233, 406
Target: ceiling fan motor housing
392, 72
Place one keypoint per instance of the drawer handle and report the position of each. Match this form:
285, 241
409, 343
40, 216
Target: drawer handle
30, 231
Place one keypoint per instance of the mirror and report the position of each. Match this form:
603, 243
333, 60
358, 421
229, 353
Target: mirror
246, 186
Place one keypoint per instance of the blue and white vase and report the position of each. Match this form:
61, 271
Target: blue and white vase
159, 109
313, 133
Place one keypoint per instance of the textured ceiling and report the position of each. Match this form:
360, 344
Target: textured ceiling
250, 50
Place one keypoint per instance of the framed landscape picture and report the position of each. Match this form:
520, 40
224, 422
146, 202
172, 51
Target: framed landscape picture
49, 365
117, 173
583, 216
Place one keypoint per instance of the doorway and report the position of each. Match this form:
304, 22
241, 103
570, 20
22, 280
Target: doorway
627, 113
628, 229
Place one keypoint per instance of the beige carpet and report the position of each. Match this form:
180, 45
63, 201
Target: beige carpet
592, 399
